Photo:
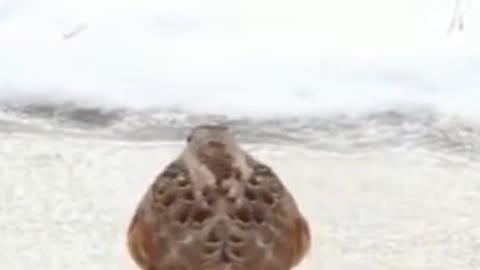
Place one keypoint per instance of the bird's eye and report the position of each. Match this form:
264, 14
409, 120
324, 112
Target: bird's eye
189, 138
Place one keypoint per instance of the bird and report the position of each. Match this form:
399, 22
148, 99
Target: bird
217, 207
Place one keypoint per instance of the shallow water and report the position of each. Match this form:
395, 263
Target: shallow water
65, 203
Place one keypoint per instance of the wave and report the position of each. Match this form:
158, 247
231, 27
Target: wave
248, 60
322, 76
401, 129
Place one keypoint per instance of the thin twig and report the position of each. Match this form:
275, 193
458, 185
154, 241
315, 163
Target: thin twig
457, 18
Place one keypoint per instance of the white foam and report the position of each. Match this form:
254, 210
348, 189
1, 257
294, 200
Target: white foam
258, 57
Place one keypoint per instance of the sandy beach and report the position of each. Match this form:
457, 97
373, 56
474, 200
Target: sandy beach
66, 203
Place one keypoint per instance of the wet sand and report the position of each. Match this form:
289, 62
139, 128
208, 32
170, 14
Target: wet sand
65, 203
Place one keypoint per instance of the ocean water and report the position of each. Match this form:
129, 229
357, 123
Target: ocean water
367, 110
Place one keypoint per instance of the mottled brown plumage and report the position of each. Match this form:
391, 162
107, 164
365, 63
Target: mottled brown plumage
215, 207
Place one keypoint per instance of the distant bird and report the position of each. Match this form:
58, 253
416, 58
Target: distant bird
74, 32
215, 207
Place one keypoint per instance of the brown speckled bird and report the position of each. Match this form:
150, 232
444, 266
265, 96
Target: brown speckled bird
215, 207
